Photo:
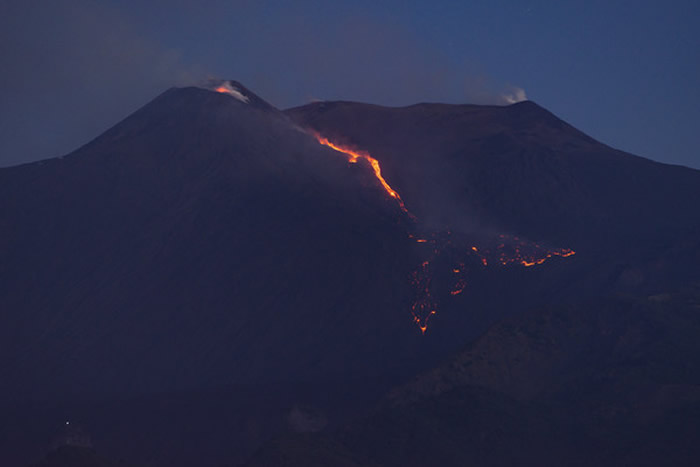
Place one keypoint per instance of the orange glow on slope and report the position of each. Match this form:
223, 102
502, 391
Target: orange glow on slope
221, 89
461, 283
459, 287
564, 253
537, 254
423, 306
354, 155
511, 250
507, 251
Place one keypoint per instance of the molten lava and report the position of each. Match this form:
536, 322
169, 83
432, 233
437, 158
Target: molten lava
527, 254
503, 251
354, 155
510, 250
423, 305
564, 253
459, 287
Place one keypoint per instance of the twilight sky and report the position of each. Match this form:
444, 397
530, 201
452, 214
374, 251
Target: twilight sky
625, 72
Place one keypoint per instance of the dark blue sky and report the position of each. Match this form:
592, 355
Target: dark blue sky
625, 72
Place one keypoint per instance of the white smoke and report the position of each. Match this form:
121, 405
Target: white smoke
227, 88
514, 95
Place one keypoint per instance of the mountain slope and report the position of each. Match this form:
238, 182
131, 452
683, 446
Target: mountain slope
516, 169
190, 239
606, 383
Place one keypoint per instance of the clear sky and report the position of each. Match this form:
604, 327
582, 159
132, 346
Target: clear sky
625, 72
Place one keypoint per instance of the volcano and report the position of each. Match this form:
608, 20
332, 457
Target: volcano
212, 251
206, 219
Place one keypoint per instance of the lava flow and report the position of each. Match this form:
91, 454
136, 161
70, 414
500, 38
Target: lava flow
354, 155
502, 251
509, 250
423, 306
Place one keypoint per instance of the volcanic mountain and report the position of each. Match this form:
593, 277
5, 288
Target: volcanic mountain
202, 241
214, 257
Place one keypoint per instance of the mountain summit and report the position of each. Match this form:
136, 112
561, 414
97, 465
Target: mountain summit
237, 91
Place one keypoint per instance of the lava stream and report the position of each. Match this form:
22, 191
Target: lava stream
512, 250
423, 305
354, 155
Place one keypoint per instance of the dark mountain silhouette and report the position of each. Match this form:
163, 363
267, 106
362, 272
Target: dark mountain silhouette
605, 383
205, 271
191, 239
201, 243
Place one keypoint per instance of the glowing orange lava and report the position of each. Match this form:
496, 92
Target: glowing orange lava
459, 287
354, 155
536, 254
423, 306
565, 253
509, 251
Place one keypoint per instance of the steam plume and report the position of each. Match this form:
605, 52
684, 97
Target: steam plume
514, 95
